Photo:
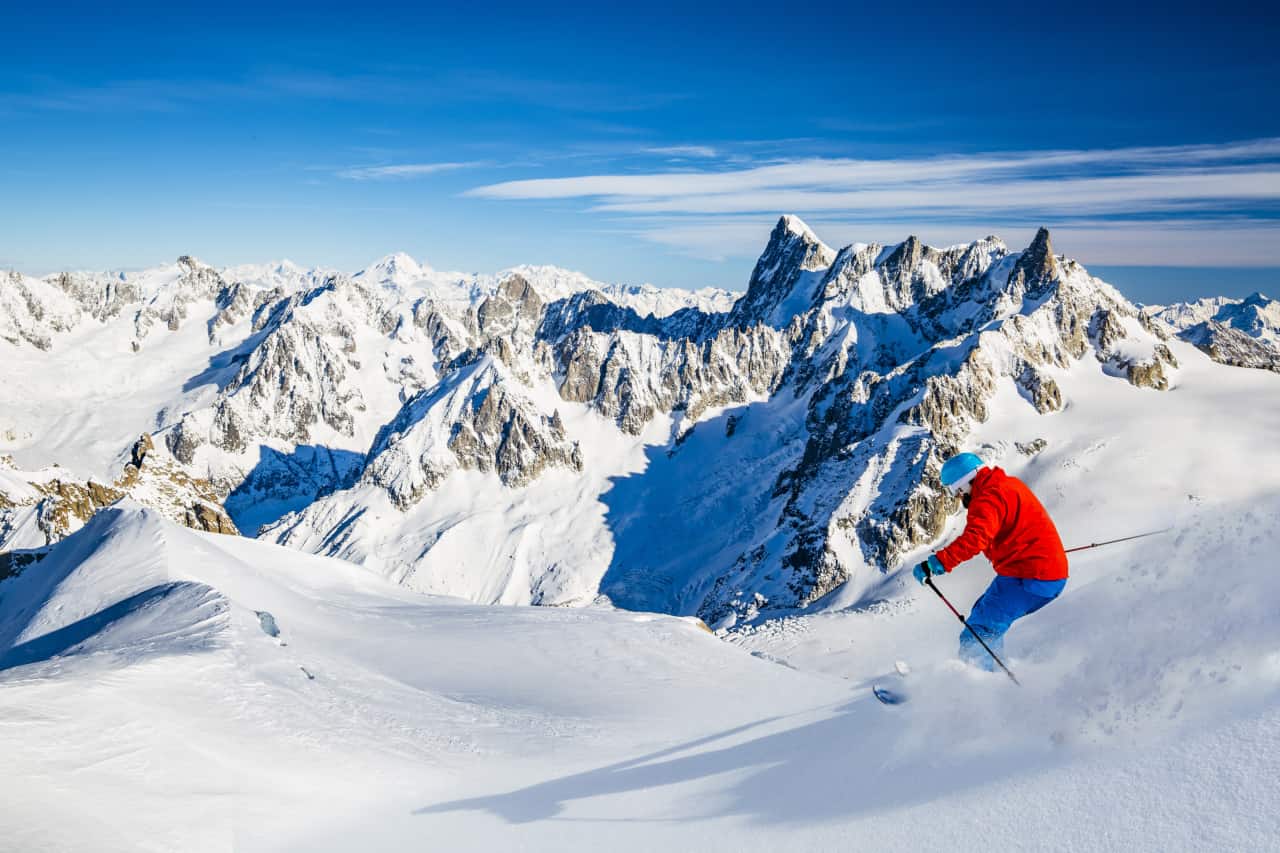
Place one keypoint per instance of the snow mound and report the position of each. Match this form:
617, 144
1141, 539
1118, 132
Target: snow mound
108, 588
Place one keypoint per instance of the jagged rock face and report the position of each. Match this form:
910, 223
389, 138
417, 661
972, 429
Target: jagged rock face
633, 377
296, 378
514, 311
196, 282
33, 311
779, 281
1227, 345
476, 420
881, 360
102, 298
202, 516
40, 508
1036, 271
68, 505
1040, 389
1149, 372
138, 453
234, 302
511, 438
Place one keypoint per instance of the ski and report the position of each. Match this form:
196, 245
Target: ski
887, 695
893, 694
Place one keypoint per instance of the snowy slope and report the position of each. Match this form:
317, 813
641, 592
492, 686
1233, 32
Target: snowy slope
164, 689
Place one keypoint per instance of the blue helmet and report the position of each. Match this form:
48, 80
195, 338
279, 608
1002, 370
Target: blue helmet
959, 470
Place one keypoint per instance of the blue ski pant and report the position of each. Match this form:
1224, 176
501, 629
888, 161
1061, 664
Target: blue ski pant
1005, 601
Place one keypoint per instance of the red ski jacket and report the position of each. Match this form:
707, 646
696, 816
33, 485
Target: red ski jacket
1011, 527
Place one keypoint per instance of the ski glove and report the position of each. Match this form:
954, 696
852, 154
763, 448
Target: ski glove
931, 566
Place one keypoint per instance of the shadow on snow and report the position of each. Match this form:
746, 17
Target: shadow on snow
285, 482
700, 500
838, 767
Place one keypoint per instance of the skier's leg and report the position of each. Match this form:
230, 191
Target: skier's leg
1005, 601
989, 619
1038, 593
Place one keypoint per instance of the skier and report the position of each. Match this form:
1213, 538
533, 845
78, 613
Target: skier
1010, 526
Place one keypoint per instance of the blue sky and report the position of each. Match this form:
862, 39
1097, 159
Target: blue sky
657, 145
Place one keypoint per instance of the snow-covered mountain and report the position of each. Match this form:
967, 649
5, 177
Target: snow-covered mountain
758, 458
269, 381
533, 436
1240, 332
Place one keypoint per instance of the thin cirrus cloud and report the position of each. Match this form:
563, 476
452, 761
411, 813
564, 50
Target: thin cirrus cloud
835, 175
684, 151
402, 171
709, 212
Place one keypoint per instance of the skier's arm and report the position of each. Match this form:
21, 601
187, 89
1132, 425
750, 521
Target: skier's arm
985, 515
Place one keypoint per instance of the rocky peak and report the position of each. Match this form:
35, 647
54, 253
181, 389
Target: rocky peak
1036, 270
782, 283
905, 259
196, 282
477, 419
515, 308
795, 225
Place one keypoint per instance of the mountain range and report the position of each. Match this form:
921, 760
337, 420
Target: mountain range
535, 437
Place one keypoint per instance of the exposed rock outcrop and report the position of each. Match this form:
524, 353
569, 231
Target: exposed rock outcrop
39, 508
475, 420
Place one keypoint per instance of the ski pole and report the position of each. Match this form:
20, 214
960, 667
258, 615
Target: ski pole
1114, 541
928, 580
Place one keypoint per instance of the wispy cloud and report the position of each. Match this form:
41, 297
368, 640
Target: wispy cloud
403, 85
402, 171
837, 176
708, 212
689, 151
